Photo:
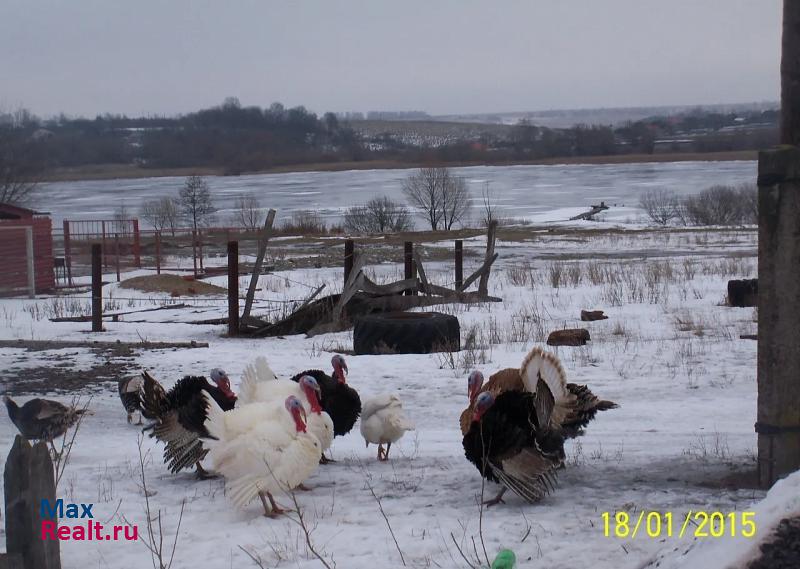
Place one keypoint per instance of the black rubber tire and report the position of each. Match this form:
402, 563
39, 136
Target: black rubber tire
743, 293
406, 333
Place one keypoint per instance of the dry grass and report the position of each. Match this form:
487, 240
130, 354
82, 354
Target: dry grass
172, 284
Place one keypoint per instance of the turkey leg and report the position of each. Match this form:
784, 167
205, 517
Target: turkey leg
202, 473
496, 500
273, 509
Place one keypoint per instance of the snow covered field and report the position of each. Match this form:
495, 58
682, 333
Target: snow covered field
669, 354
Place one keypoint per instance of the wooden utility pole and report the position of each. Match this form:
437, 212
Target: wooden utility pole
778, 423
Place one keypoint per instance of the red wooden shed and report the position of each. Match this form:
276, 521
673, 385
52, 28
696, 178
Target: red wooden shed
15, 223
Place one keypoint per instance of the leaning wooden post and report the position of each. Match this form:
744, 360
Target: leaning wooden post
266, 233
28, 479
233, 288
459, 263
778, 422
349, 249
97, 288
491, 235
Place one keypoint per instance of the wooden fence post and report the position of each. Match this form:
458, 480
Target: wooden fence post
97, 288
67, 253
194, 252
137, 250
459, 263
158, 252
349, 250
29, 479
410, 268
200, 249
103, 242
116, 253
233, 288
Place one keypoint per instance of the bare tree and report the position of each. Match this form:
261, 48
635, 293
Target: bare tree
660, 205
121, 213
489, 205
20, 167
195, 202
455, 200
247, 212
378, 215
442, 198
162, 214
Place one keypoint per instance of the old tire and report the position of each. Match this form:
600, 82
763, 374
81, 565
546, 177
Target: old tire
743, 293
406, 333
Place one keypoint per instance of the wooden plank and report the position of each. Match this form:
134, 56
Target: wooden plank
423, 280
310, 298
474, 276
347, 294
397, 287
266, 233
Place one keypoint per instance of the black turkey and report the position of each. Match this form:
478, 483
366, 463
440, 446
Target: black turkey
180, 416
510, 443
338, 399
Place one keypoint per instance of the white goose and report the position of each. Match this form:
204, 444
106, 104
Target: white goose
256, 452
260, 384
383, 422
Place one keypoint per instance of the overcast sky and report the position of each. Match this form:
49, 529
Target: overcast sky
440, 56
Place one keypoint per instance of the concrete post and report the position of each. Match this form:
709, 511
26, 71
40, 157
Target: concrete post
778, 423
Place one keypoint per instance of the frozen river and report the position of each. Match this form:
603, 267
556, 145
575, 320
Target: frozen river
533, 192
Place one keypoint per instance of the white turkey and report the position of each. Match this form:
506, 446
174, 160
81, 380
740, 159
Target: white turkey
258, 453
383, 422
260, 384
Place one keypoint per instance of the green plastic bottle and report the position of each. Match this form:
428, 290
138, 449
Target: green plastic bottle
505, 560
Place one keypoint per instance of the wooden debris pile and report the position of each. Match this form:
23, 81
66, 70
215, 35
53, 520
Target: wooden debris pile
361, 295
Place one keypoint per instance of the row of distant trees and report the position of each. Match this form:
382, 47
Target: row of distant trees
234, 139
436, 194
717, 205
